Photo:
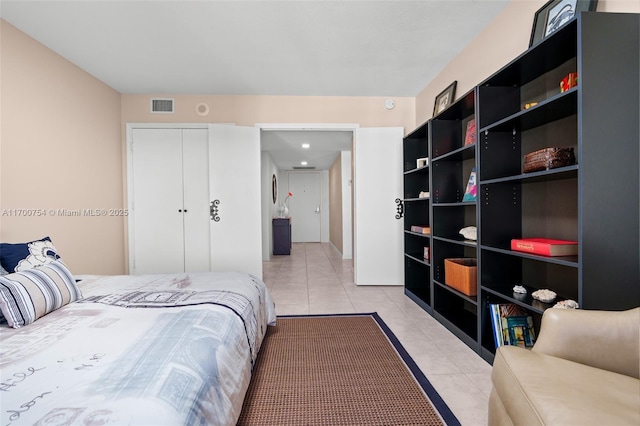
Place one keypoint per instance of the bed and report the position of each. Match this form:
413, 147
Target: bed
170, 349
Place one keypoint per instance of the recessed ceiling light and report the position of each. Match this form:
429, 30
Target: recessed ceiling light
306, 145
304, 163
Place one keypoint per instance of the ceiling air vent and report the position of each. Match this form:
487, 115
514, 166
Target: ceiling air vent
162, 106
304, 168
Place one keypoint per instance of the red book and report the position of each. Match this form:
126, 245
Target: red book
545, 246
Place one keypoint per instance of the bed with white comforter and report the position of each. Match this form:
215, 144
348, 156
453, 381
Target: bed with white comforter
172, 349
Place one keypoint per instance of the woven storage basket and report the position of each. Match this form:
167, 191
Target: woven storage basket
548, 158
461, 274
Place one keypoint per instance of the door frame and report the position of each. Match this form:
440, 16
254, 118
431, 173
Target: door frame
347, 127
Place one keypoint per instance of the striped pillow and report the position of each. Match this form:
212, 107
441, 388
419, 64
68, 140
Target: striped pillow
28, 295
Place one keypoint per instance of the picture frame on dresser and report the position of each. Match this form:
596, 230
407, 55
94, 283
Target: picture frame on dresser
445, 98
554, 14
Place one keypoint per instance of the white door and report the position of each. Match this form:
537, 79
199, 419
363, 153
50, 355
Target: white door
157, 243
234, 167
305, 207
378, 235
195, 174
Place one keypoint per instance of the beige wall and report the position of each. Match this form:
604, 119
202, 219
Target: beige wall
250, 110
61, 149
502, 41
335, 204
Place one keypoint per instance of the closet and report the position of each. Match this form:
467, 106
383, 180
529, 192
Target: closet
194, 198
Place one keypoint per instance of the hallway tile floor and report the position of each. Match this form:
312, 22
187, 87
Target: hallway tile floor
315, 280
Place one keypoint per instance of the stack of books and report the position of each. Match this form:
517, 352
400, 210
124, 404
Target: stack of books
511, 326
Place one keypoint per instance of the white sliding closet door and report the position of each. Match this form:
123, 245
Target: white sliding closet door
378, 235
157, 242
234, 164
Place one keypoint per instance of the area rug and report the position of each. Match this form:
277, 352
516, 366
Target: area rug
339, 370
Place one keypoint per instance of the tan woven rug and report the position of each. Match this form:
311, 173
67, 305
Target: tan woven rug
338, 370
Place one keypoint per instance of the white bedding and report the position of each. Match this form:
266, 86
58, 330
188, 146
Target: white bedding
140, 350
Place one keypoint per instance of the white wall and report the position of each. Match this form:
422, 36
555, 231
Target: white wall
324, 206
347, 226
269, 209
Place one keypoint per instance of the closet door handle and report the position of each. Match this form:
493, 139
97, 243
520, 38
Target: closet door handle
213, 210
399, 209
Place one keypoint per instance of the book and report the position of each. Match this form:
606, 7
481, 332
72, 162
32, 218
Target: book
420, 229
471, 193
521, 331
496, 325
470, 136
545, 246
511, 325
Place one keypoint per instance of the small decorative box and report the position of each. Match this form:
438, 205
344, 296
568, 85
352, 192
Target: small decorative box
548, 158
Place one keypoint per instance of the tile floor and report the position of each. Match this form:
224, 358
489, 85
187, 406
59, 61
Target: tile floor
315, 280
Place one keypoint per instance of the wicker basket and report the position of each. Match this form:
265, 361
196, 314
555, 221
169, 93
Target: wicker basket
548, 158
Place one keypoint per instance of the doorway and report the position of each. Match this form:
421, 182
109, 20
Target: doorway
327, 145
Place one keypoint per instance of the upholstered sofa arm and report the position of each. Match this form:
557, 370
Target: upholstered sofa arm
609, 340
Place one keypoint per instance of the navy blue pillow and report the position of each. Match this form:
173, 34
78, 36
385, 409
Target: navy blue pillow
23, 256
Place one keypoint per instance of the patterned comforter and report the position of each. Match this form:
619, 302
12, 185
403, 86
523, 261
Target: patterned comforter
141, 350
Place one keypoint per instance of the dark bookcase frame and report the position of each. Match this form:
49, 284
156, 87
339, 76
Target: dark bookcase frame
595, 202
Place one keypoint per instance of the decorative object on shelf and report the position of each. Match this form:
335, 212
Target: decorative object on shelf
422, 162
425, 230
274, 188
544, 295
427, 254
545, 246
399, 208
519, 289
471, 193
469, 233
462, 274
554, 14
470, 135
548, 158
283, 209
567, 304
445, 98
423, 194
571, 80
529, 105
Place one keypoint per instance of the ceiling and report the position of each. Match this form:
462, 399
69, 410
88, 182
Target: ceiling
285, 147
298, 48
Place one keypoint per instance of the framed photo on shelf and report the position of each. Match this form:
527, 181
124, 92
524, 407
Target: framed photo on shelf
445, 98
554, 14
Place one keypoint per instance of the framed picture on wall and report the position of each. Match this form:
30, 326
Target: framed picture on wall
556, 13
444, 99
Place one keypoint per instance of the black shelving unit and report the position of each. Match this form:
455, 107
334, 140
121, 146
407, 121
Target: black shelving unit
417, 212
594, 202
452, 164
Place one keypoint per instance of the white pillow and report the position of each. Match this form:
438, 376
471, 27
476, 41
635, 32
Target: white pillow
28, 295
